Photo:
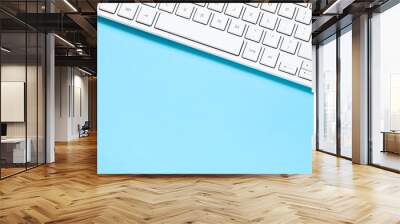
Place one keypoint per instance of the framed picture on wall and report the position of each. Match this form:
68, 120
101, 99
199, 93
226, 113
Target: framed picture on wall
12, 101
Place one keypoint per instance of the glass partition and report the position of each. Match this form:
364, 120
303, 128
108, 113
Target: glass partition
23, 89
327, 95
41, 97
14, 154
32, 95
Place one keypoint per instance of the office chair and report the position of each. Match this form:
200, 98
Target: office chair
84, 130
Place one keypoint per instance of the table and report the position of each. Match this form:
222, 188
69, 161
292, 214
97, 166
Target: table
17, 153
391, 141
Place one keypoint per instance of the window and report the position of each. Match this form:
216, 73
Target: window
385, 89
346, 92
327, 96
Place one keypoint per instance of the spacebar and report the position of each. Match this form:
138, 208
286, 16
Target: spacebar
199, 33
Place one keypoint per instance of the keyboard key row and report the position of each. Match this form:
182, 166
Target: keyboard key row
268, 20
251, 14
270, 57
147, 15
199, 33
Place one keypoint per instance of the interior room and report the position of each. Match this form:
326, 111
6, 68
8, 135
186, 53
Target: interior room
50, 132
22, 102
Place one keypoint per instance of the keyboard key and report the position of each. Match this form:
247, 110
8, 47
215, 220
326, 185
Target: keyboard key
305, 51
251, 52
251, 15
306, 65
271, 39
234, 10
218, 7
202, 16
304, 15
219, 21
199, 33
128, 10
146, 16
201, 4
286, 26
167, 7
254, 33
268, 21
185, 10
236, 27
289, 45
303, 32
269, 7
108, 7
305, 74
288, 65
287, 10
269, 57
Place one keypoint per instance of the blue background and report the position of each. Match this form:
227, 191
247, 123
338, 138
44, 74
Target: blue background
164, 108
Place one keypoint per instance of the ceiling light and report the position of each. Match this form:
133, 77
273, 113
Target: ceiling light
70, 5
65, 41
337, 7
84, 71
5, 50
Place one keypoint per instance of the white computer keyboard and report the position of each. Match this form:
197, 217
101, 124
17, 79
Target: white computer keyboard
271, 37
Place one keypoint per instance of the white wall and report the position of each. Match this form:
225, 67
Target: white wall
71, 87
17, 72
34, 126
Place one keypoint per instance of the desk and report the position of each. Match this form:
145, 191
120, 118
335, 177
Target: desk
17, 150
391, 141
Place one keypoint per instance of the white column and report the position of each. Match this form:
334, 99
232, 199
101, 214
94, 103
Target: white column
50, 99
360, 90
50, 92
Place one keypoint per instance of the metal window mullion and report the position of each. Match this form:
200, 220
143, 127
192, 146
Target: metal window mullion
26, 87
37, 91
369, 78
317, 96
338, 91
0, 96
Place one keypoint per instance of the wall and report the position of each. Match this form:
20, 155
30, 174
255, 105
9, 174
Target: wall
33, 127
15, 72
71, 102
92, 87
